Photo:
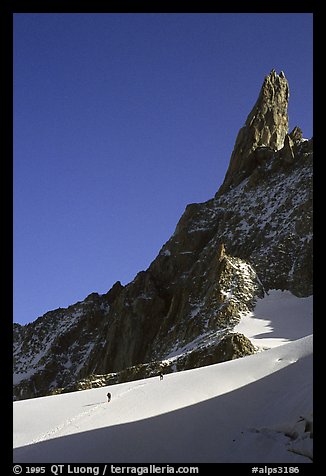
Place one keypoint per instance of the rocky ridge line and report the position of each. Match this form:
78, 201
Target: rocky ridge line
254, 235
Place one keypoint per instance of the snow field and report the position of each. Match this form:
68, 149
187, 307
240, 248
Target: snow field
278, 318
253, 409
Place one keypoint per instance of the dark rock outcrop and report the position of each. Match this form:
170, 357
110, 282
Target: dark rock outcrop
232, 346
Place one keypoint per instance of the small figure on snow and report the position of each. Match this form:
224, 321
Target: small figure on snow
161, 375
109, 396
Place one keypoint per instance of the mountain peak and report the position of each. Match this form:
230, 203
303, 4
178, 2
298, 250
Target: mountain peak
224, 256
266, 126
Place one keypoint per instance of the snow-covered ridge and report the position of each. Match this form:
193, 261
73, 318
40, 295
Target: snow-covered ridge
271, 202
267, 219
40, 343
36, 343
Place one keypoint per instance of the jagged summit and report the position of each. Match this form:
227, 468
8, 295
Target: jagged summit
266, 126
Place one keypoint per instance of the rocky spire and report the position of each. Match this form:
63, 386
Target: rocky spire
266, 126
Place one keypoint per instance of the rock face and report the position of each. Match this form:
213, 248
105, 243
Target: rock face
232, 346
266, 126
254, 235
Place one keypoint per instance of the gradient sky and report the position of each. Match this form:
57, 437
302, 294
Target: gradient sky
120, 121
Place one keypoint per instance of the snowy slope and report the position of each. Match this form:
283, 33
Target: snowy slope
278, 318
254, 409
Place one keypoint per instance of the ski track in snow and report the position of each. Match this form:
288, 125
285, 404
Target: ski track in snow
68, 423
71, 424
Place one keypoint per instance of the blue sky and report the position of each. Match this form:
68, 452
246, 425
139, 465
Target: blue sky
120, 121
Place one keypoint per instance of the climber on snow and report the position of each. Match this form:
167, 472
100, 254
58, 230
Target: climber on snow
109, 396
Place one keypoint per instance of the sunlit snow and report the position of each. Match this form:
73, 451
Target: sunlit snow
254, 409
